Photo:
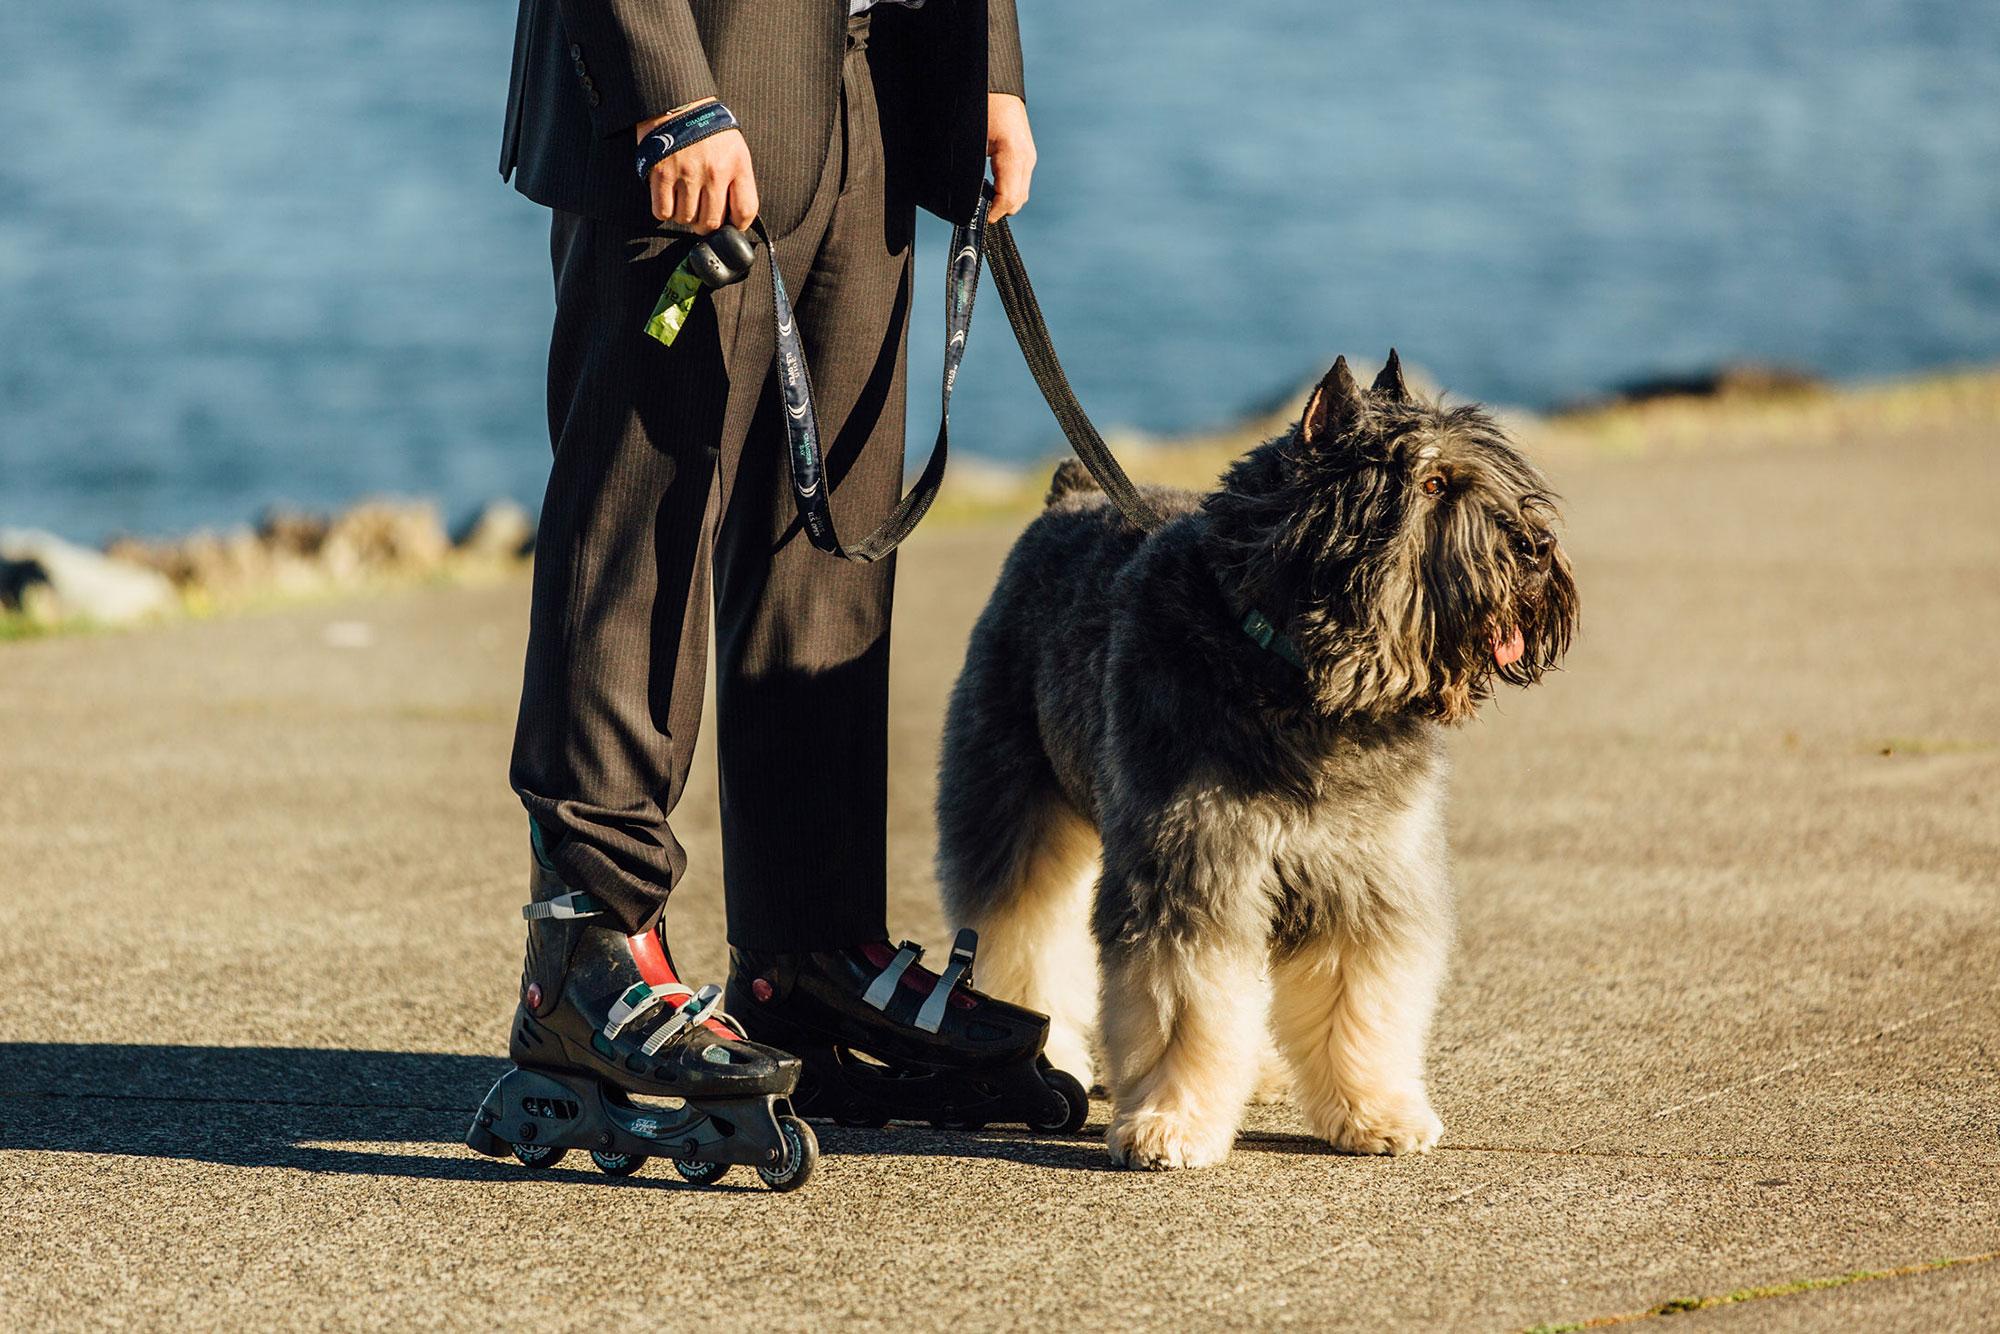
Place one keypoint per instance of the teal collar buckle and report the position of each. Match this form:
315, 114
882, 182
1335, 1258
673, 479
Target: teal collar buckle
1268, 637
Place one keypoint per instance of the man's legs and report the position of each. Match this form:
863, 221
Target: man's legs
647, 442
803, 638
611, 695
662, 454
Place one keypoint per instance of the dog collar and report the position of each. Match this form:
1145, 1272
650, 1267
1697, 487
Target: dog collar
1268, 637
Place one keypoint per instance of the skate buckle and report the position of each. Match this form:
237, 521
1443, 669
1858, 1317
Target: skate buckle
637, 1000
693, 1010
565, 907
957, 973
883, 989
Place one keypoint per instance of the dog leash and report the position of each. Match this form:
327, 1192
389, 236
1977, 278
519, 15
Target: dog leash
970, 244
727, 256
808, 462
1017, 298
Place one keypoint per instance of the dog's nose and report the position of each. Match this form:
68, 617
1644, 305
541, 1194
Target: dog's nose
1538, 545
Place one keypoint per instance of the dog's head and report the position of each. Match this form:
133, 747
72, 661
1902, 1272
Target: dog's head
1408, 549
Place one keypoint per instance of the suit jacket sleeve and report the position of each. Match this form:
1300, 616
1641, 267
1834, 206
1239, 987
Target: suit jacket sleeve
644, 58
1003, 50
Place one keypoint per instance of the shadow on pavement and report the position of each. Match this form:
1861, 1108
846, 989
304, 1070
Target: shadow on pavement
320, 1110
312, 1109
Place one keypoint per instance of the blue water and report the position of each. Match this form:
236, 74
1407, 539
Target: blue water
253, 252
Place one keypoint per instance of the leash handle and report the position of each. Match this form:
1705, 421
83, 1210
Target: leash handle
721, 258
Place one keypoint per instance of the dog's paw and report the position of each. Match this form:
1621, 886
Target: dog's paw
1069, 1052
1395, 1125
1153, 1142
1274, 1082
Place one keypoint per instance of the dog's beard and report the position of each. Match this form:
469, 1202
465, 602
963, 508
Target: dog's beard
1546, 611
1429, 626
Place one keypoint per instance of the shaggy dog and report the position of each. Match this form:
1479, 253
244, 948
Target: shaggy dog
1230, 729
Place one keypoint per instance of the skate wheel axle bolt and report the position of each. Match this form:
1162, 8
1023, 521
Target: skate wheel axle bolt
529, 1131
761, 988
604, 1139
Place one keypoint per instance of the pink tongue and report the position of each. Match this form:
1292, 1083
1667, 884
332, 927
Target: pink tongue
1508, 651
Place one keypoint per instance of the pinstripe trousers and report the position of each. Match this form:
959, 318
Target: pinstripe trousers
669, 495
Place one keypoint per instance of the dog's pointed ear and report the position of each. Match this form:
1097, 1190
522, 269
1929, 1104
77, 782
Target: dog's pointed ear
1335, 403
1389, 384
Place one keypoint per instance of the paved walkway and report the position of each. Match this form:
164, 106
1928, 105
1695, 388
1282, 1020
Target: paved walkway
1725, 1016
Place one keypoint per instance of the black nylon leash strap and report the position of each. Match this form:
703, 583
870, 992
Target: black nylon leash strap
1017, 296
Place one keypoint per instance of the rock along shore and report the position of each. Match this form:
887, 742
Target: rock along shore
47, 582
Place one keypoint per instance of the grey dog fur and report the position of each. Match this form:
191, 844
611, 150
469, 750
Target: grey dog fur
1247, 823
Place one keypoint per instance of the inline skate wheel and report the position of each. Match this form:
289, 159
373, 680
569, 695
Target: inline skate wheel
539, 1157
617, 1164
1068, 1109
801, 1156
700, 1174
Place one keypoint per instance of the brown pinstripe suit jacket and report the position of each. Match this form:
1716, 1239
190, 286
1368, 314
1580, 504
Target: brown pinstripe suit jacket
586, 71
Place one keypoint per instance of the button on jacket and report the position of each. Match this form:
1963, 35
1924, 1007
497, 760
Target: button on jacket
586, 71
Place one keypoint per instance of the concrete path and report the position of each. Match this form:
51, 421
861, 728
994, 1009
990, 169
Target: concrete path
1725, 1015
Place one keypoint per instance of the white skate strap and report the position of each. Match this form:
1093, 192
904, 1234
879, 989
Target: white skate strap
956, 973
693, 1010
574, 904
883, 989
639, 998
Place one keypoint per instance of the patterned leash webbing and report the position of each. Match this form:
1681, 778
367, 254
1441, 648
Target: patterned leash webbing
808, 461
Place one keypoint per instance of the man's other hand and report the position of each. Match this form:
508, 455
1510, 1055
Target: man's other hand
706, 183
1012, 147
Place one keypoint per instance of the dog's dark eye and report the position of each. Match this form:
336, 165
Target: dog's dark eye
1434, 484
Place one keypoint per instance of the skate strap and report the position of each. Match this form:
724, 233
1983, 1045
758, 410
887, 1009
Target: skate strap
958, 972
883, 989
693, 1011
639, 998
574, 904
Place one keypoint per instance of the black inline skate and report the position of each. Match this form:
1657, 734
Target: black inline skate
884, 1039
615, 1054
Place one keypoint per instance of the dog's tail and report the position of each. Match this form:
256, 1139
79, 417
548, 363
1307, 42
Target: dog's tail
1070, 479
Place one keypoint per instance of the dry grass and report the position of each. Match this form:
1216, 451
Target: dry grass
1680, 1305
1953, 402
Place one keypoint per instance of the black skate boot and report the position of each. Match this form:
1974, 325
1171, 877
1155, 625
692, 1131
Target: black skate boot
884, 1039
603, 1023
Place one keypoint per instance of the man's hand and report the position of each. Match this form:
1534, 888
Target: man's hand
705, 183
1012, 148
